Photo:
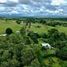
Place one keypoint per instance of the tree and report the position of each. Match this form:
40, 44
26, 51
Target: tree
23, 31
28, 22
9, 31
51, 31
64, 64
35, 63
44, 35
18, 21
27, 55
62, 53
34, 36
42, 21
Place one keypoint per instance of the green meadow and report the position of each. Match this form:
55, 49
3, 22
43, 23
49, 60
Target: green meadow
16, 27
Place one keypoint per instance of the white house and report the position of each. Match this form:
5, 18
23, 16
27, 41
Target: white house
46, 45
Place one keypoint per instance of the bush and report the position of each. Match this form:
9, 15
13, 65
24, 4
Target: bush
62, 53
34, 36
18, 21
9, 31
22, 31
53, 23
43, 21
44, 35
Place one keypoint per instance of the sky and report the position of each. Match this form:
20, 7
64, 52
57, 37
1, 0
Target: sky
34, 7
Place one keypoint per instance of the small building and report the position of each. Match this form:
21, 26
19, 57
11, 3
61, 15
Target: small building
46, 45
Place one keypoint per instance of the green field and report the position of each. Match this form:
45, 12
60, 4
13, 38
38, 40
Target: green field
9, 24
15, 27
45, 28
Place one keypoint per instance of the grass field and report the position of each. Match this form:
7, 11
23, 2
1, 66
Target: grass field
45, 28
11, 24
15, 27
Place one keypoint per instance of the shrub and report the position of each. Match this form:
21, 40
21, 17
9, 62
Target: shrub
18, 21
9, 31
62, 53
34, 36
44, 35
22, 31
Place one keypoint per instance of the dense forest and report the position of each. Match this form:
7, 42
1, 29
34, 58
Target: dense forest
22, 44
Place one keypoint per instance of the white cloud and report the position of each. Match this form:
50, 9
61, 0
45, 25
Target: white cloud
57, 2
14, 1
65, 2
42, 8
14, 12
59, 11
2, 8
7, 1
3, 1
34, 7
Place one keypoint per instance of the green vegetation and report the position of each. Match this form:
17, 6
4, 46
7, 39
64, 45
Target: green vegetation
36, 27
23, 47
9, 24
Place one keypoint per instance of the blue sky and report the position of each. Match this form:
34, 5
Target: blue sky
34, 7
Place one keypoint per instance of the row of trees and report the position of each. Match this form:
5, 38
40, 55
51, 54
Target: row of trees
49, 22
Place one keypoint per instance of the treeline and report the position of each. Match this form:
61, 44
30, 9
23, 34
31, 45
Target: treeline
56, 23
49, 22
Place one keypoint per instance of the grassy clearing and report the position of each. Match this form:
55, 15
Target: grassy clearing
41, 29
11, 24
62, 29
45, 28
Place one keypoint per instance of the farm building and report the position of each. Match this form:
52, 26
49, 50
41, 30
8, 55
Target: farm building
46, 45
